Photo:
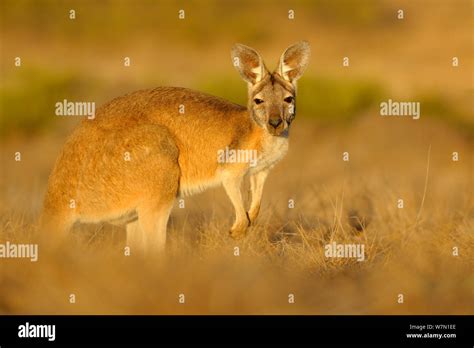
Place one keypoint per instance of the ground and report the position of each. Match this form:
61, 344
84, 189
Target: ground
408, 250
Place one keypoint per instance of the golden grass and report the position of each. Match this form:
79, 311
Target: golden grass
408, 251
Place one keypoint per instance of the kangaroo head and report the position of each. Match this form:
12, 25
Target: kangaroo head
272, 96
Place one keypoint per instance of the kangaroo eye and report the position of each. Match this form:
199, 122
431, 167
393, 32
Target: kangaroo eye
288, 99
258, 101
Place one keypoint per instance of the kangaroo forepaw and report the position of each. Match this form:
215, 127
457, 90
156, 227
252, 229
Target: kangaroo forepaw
252, 217
238, 233
239, 230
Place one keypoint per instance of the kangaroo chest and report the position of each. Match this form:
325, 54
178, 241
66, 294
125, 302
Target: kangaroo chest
273, 149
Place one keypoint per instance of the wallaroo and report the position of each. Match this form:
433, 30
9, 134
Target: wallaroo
143, 150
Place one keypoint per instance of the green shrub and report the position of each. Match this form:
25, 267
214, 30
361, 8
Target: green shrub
28, 98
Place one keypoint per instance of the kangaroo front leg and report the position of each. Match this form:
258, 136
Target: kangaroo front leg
136, 238
256, 187
232, 188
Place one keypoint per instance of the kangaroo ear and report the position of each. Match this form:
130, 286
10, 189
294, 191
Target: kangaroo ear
294, 61
249, 63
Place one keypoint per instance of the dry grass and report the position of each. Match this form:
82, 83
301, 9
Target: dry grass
408, 250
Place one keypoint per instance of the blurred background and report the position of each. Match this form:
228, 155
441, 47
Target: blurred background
409, 59
83, 58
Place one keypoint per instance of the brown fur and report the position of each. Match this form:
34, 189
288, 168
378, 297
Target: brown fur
170, 154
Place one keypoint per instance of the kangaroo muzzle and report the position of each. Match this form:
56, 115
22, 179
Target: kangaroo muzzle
275, 122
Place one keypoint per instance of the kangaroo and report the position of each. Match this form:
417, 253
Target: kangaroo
143, 150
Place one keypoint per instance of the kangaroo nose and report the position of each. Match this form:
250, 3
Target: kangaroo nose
275, 122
